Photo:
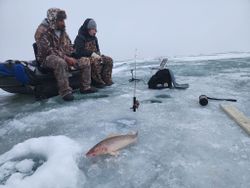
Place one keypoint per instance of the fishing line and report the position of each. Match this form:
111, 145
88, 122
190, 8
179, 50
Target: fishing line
135, 72
135, 101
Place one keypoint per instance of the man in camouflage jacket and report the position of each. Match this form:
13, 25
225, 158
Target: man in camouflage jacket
54, 52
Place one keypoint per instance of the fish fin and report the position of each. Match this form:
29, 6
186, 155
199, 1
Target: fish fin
136, 133
133, 133
114, 153
112, 135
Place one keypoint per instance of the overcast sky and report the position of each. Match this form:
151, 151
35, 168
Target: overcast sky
153, 27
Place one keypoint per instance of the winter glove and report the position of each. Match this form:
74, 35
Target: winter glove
95, 55
71, 61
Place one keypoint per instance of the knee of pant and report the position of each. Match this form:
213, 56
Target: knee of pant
109, 60
84, 62
61, 63
52, 58
94, 61
56, 61
109, 63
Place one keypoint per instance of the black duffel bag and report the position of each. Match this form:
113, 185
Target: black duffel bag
161, 79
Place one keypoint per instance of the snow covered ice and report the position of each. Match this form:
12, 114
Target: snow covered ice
41, 162
180, 143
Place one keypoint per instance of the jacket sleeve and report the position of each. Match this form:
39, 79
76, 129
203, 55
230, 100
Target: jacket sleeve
80, 48
97, 47
69, 50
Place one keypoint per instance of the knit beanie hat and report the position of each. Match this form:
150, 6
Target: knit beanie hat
92, 24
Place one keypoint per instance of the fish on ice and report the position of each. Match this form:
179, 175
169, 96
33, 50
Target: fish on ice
112, 144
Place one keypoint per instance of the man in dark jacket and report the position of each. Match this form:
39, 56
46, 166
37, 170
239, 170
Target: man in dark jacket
86, 45
54, 52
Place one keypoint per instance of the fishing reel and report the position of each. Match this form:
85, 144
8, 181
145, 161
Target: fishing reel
135, 104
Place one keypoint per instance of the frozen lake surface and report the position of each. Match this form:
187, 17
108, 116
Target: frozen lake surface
180, 143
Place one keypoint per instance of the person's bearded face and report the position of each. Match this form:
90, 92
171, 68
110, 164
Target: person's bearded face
60, 25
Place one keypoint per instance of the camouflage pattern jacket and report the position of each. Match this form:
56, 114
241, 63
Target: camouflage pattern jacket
42, 28
51, 44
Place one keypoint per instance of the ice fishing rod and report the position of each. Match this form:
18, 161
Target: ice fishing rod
135, 101
203, 99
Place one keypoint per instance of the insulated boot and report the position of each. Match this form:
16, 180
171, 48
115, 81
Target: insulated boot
68, 97
109, 83
98, 84
107, 79
89, 90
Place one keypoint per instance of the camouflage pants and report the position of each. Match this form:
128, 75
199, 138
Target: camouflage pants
60, 69
101, 72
